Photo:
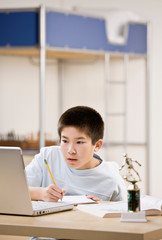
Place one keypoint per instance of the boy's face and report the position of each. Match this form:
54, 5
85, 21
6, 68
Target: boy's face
77, 149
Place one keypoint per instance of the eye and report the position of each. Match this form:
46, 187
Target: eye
80, 142
63, 140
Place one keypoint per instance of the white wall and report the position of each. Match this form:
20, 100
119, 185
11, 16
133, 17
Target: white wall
25, 81
19, 90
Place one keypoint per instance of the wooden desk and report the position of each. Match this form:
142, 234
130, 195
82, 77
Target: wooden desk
78, 225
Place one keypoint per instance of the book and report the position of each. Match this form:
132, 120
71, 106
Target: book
151, 205
77, 199
109, 209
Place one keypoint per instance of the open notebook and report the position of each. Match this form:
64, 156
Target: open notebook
15, 196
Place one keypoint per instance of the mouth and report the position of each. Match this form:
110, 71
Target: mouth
71, 160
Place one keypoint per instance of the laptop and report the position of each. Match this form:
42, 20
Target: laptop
15, 196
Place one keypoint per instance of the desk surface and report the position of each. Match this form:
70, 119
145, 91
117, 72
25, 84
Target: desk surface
79, 225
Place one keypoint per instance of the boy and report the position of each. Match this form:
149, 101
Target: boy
75, 166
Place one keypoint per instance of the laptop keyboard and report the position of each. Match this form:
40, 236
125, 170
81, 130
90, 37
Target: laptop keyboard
39, 205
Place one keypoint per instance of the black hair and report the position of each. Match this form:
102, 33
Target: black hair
85, 119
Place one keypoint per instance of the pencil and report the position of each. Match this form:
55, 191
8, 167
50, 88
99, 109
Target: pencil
49, 171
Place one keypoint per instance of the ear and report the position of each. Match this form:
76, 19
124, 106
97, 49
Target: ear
98, 145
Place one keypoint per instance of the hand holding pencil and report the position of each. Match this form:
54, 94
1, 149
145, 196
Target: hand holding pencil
53, 192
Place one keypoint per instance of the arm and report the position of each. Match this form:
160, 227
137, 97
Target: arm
119, 187
51, 193
137, 163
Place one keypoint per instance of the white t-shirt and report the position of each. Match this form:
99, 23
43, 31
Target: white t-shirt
103, 181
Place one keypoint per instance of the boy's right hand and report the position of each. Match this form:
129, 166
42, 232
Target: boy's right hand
52, 193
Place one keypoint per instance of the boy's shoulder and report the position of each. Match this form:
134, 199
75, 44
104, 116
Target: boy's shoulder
50, 149
111, 164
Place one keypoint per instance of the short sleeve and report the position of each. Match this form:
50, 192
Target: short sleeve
34, 171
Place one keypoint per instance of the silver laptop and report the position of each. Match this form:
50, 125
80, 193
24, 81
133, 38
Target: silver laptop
15, 196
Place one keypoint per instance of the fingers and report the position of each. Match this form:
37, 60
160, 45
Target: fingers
93, 198
53, 193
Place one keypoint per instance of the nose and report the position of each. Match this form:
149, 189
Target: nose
71, 149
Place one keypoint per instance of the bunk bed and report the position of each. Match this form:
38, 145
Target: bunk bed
66, 32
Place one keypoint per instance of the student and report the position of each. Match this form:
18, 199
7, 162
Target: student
75, 165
